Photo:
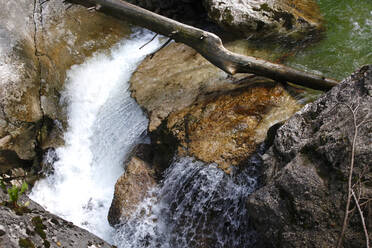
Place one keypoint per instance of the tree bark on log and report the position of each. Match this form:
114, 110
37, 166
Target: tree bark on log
207, 44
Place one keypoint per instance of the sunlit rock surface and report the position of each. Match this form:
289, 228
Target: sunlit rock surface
226, 128
39, 41
177, 75
306, 170
213, 116
263, 19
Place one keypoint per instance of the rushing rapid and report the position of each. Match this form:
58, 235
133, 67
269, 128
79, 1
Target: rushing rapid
104, 123
197, 205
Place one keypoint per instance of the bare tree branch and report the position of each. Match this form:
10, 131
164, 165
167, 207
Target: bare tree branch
350, 191
208, 45
362, 219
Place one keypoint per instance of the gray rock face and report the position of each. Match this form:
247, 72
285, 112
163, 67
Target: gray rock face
306, 170
266, 18
39, 228
39, 41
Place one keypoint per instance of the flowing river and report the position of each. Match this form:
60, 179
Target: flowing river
104, 123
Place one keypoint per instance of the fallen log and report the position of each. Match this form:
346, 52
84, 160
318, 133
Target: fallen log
207, 44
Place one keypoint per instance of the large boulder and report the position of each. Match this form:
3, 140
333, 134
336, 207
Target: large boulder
305, 172
266, 18
177, 75
33, 226
207, 113
39, 41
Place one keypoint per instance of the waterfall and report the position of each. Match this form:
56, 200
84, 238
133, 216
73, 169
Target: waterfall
104, 123
197, 205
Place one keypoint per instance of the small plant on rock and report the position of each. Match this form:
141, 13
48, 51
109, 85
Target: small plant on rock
15, 192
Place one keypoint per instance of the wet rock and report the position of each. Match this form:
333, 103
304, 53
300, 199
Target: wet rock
266, 19
130, 189
303, 199
35, 227
39, 41
227, 128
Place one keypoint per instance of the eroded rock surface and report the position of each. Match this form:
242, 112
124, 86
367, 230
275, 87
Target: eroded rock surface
306, 171
263, 18
39, 41
226, 128
38, 228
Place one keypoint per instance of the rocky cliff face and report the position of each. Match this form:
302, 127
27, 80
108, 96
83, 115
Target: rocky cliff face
35, 227
39, 41
306, 171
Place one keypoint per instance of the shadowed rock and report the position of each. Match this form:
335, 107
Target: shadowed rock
303, 199
130, 189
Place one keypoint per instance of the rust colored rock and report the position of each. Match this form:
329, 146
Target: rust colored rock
226, 128
213, 116
130, 189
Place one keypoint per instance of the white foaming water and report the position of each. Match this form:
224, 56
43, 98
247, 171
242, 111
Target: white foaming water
104, 124
197, 205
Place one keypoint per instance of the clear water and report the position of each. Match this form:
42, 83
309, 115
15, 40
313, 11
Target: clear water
104, 123
347, 44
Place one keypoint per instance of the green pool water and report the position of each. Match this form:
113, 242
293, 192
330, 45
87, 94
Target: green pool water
347, 44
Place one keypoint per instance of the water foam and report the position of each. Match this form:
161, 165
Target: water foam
197, 205
103, 125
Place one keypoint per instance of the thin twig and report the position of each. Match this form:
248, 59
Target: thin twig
162, 46
148, 41
362, 219
344, 225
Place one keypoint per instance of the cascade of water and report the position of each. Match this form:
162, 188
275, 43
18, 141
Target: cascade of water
103, 124
198, 205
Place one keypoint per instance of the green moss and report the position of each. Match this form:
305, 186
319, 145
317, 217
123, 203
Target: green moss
22, 210
265, 7
228, 16
39, 227
26, 243
46, 244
